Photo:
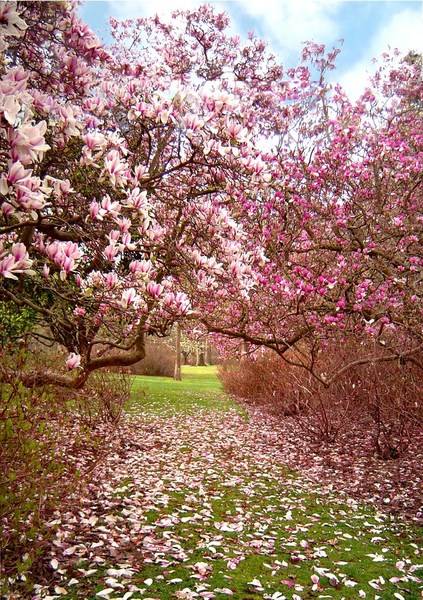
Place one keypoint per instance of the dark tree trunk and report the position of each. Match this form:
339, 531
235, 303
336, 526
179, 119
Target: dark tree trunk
209, 359
200, 358
177, 373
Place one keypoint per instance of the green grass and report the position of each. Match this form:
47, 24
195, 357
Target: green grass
290, 528
346, 536
199, 389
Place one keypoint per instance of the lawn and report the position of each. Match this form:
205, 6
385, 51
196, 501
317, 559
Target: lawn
199, 388
197, 504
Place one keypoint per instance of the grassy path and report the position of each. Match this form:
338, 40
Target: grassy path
194, 502
199, 389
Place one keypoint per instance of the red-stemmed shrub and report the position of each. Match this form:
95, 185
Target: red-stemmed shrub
382, 396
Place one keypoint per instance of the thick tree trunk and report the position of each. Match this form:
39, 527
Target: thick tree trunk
208, 353
177, 372
200, 358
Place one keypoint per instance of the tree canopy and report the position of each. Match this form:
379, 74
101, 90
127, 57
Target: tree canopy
182, 173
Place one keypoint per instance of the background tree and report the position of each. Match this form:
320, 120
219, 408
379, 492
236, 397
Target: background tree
178, 354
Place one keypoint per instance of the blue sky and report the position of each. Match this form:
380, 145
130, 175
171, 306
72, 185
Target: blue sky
367, 27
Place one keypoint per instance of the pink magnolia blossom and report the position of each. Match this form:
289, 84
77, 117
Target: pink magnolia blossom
73, 361
140, 266
14, 81
129, 297
11, 23
111, 251
178, 302
110, 207
17, 175
154, 289
137, 199
111, 280
28, 143
10, 107
115, 168
95, 211
17, 261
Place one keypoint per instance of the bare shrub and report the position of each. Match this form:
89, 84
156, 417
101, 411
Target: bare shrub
260, 381
392, 394
324, 412
50, 441
102, 398
384, 397
35, 472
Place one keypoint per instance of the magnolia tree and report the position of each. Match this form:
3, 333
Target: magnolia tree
140, 187
340, 224
119, 174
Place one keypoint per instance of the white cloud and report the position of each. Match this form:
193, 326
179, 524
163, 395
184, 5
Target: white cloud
130, 9
402, 31
289, 23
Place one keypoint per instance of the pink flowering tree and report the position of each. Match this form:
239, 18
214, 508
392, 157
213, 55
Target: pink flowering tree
182, 174
119, 175
340, 225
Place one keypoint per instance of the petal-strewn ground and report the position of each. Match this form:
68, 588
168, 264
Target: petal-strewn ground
200, 504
